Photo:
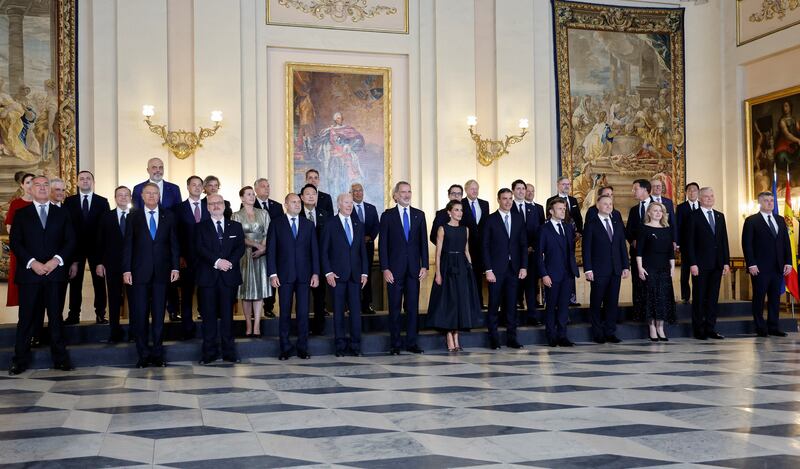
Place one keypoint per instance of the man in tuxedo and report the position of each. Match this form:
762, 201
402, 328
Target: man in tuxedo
188, 215
641, 192
344, 262
219, 245
169, 193
591, 213
85, 208
656, 191
768, 255
505, 255
454, 192
368, 215
558, 269
403, 254
318, 217
42, 237
573, 216
110, 243
293, 266
324, 200
211, 186
275, 211
530, 217
706, 248
605, 263
682, 213
150, 262
476, 211
58, 191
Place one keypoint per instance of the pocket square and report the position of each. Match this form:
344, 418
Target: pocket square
233, 236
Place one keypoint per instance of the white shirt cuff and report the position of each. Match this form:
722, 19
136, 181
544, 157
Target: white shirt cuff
28, 265
60, 260
216, 263
273, 275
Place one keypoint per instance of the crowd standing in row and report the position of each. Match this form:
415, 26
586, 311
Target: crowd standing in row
159, 251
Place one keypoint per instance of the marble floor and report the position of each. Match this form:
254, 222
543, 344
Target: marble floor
685, 403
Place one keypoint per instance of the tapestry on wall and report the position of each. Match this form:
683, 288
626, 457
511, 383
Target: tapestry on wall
620, 89
387, 16
759, 18
339, 122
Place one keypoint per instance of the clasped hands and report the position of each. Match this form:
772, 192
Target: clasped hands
44, 268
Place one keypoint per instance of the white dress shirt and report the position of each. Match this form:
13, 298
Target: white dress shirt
478, 212
147, 216
46, 206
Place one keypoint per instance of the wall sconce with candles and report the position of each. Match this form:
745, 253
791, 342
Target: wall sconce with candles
181, 143
490, 150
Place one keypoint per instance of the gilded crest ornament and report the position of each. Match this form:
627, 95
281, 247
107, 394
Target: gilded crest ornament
339, 10
774, 9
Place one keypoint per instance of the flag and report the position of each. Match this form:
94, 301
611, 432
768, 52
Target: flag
775, 189
791, 279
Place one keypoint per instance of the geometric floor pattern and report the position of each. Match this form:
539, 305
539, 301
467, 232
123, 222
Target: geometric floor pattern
731, 403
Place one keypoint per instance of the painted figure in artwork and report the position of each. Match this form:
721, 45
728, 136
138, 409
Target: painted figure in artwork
338, 148
787, 146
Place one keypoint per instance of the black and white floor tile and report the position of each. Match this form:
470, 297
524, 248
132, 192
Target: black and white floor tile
732, 403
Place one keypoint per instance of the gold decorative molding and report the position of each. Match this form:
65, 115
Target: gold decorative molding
339, 10
773, 9
67, 105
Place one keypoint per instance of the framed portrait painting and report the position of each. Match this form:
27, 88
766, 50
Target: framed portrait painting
620, 87
338, 121
772, 130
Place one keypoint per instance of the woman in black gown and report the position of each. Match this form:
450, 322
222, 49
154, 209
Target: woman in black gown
454, 304
655, 259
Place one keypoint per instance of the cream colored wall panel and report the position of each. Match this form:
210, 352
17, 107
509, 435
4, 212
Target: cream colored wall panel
180, 63
544, 122
422, 101
252, 165
485, 100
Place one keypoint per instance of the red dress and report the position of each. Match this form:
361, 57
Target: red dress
13, 292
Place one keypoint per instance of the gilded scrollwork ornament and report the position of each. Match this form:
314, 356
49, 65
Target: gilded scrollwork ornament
339, 10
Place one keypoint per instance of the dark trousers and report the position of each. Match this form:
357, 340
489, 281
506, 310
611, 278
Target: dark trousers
531, 286
405, 289
76, 292
705, 301
477, 270
116, 294
557, 306
686, 275
603, 306
503, 292
217, 314
768, 283
347, 293
34, 299
366, 292
149, 300
173, 298
187, 288
269, 303
318, 297
289, 292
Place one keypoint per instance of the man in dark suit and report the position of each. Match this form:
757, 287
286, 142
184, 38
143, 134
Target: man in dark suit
641, 192
42, 237
591, 213
318, 217
454, 192
110, 243
188, 215
768, 255
275, 210
170, 194
605, 263
706, 247
293, 266
403, 254
656, 191
368, 215
527, 288
530, 195
505, 255
344, 262
682, 213
324, 201
85, 208
476, 211
219, 245
150, 262
211, 186
573, 216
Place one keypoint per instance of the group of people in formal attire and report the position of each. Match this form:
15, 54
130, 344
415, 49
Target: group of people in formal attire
160, 251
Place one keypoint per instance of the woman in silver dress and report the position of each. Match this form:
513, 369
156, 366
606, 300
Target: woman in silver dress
255, 286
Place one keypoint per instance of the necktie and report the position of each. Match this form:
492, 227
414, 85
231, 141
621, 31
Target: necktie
85, 206
43, 215
122, 223
360, 213
265, 205
152, 224
348, 231
406, 223
566, 199
311, 217
608, 230
294, 228
508, 226
710, 216
219, 231
197, 212
474, 212
771, 226
522, 211
560, 229
641, 211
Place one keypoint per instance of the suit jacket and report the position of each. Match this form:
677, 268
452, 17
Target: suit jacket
682, 213
591, 214
372, 222
705, 248
557, 253
764, 249
499, 248
150, 260
30, 241
531, 223
396, 254
348, 261
184, 215
322, 217
441, 219
110, 242
274, 209
539, 212
325, 202
209, 249
169, 199
574, 212
474, 230
634, 225
602, 256
85, 227
226, 214
292, 260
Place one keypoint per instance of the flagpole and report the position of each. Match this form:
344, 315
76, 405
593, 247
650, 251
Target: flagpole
791, 214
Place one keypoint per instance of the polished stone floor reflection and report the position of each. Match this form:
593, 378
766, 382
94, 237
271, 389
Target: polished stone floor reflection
732, 403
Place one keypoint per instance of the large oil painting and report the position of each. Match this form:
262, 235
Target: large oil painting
772, 127
620, 75
338, 122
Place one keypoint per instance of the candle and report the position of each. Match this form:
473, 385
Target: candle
523, 124
472, 121
148, 110
216, 116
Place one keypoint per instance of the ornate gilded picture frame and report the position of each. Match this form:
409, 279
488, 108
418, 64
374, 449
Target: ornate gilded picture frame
620, 88
384, 16
772, 135
338, 121
759, 18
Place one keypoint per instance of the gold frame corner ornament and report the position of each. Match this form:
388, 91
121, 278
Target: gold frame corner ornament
66, 49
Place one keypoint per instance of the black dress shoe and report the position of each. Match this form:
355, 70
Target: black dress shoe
233, 359
777, 333
394, 351
762, 334
64, 366
574, 305
715, 335
72, 320
513, 344
35, 342
285, 356
208, 360
414, 349
534, 322
367, 309
599, 340
158, 362
613, 339
565, 342
101, 320
269, 315
142, 363
303, 355
700, 337
494, 344
539, 306
355, 353
16, 369
552, 343
340, 353
174, 317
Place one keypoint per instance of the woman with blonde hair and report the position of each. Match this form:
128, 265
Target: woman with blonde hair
655, 260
